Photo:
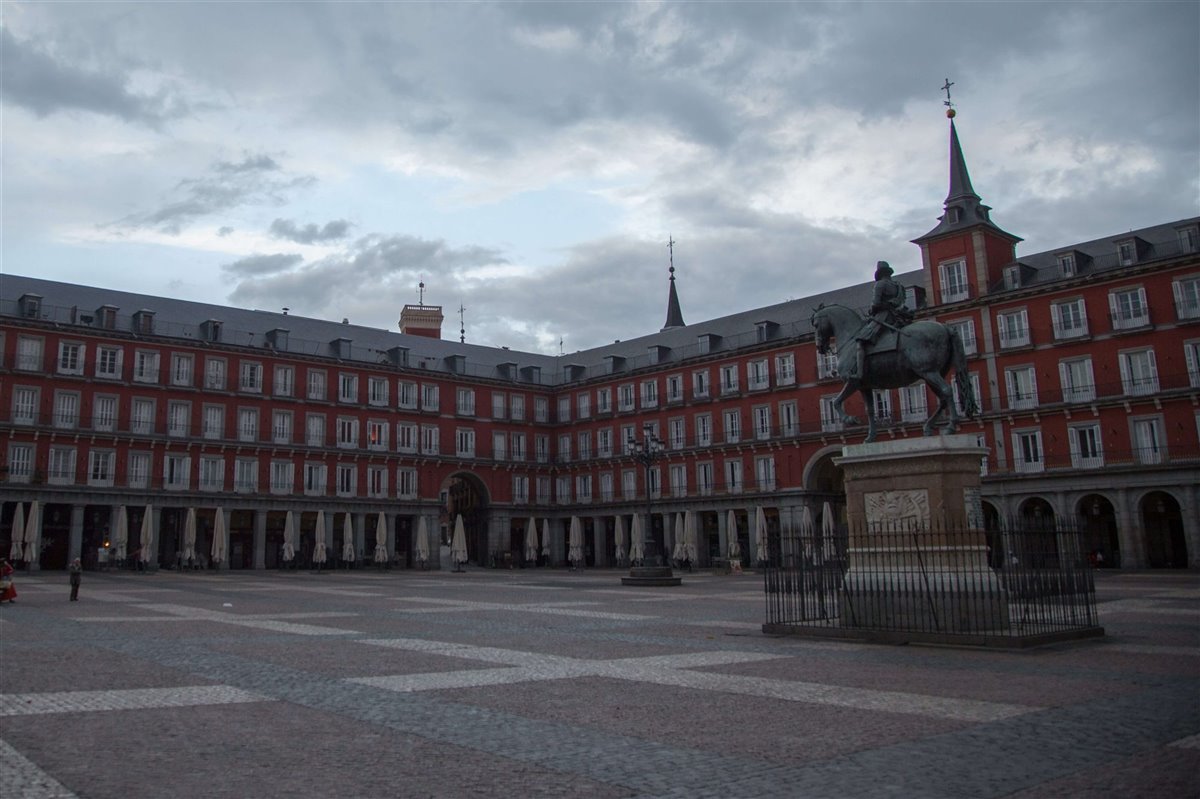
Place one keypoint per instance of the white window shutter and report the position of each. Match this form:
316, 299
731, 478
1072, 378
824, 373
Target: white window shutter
1123, 361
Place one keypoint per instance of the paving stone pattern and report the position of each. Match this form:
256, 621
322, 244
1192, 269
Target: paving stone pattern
548, 683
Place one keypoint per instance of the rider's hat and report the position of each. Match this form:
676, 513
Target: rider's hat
882, 269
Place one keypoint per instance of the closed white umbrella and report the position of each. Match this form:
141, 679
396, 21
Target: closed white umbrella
458, 545
619, 538
120, 542
319, 539
348, 540
531, 540
33, 532
422, 540
189, 536
218, 543
827, 542
731, 534
17, 548
679, 552
147, 534
575, 541
691, 543
808, 532
546, 539
289, 537
760, 533
381, 554
637, 549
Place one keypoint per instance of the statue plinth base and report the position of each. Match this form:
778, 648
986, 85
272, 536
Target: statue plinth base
651, 576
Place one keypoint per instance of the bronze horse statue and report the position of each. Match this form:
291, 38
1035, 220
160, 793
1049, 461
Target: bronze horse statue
925, 350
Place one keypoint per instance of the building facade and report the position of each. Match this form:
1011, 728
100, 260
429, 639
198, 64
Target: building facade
1085, 359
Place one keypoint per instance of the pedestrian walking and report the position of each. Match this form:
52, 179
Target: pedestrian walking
8, 592
76, 572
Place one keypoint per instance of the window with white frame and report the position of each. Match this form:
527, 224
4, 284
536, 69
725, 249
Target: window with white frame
729, 379
182, 369
604, 400
584, 441
827, 363
499, 405
178, 418
60, 466
625, 397
758, 376
314, 430
649, 393
318, 385
66, 409
245, 475
516, 448
703, 430
883, 406
564, 448
954, 284
1187, 297
101, 467
406, 483
145, 366
583, 488
764, 473
1027, 451
785, 369
1066, 264
831, 420
247, 424
347, 432
674, 388
282, 477
1086, 451
281, 427
732, 423
314, 479
1126, 253
564, 409
346, 482
628, 484
141, 416
543, 490
464, 401
1149, 443
377, 435
20, 463
704, 478
430, 397
406, 395
108, 362
251, 377
604, 442
499, 445
284, 382
914, 402
562, 489
430, 443
1078, 385
583, 405
70, 358
214, 373
1187, 238
733, 476
104, 413
1014, 328
541, 448
655, 486
25, 405
1191, 357
541, 409
464, 442
627, 439
377, 391
377, 477
677, 433
177, 472
677, 475
212, 473
347, 387
517, 407
139, 470
1139, 373
520, 488
607, 492
1069, 319
29, 353
700, 384
1021, 382
1128, 308
789, 419
966, 334
406, 437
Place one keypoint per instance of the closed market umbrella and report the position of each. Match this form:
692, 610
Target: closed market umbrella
735, 548
760, 534
147, 534
17, 549
289, 537
423, 540
679, 552
690, 542
189, 536
808, 532
531, 544
120, 542
575, 549
218, 543
347, 540
33, 532
637, 549
546, 539
827, 542
381, 553
458, 545
319, 539
619, 538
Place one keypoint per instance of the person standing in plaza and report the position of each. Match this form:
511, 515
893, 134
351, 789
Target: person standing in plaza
76, 572
8, 592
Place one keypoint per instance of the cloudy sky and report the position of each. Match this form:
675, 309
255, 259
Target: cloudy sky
530, 160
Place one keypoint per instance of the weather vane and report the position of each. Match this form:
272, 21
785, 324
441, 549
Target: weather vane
421, 293
462, 325
950, 112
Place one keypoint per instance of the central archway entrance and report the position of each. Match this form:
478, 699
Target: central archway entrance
465, 494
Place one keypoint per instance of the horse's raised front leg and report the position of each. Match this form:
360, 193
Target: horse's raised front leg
869, 403
850, 387
945, 397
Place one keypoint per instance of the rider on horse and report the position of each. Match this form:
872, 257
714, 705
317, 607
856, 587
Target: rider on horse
887, 310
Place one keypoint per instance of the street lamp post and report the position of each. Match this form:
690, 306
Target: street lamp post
646, 452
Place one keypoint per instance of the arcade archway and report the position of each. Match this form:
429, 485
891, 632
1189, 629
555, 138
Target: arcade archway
1162, 521
465, 494
1097, 519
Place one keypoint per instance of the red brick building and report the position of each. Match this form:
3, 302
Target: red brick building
1086, 360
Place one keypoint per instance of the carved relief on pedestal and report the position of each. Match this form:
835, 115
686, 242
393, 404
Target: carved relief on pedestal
897, 508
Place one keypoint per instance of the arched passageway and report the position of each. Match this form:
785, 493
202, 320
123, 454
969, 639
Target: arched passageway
1162, 521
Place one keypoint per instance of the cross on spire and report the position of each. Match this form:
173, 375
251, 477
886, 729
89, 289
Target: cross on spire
671, 253
946, 88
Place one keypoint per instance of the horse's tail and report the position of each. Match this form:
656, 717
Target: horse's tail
967, 402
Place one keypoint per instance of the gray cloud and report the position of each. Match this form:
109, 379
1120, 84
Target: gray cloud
310, 233
257, 265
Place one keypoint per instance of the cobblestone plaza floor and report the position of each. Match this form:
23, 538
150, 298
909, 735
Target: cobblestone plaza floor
553, 683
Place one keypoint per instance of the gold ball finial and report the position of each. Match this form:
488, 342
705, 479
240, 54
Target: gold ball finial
951, 113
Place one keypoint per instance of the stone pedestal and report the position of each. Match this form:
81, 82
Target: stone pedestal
917, 553
651, 576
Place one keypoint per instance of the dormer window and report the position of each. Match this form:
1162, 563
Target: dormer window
953, 215
30, 305
707, 343
1012, 277
1126, 253
1187, 239
210, 330
143, 322
1066, 264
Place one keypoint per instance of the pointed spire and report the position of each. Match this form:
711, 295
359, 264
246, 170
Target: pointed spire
960, 179
674, 314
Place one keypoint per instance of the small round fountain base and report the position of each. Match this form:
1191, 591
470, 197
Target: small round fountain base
651, 576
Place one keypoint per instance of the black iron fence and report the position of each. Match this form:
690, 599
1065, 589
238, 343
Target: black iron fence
1016, 586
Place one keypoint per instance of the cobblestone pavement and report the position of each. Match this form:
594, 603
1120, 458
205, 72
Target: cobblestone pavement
552, 683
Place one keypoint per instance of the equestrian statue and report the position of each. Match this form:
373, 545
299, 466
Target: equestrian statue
888, 349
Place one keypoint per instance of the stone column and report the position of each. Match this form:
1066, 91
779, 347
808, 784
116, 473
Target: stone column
360, 537
723, 531
260, 539
600, 540
75, 537
389, 533
1129, 536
